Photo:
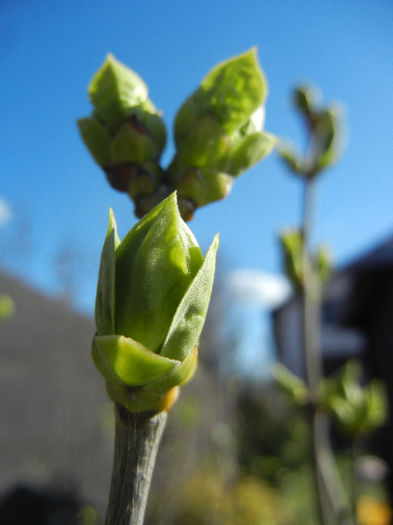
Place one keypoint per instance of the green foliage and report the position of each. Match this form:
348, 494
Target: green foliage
87, 515
272, 434
291, 385
292, 251
218, 133
152, 297
206, 499
357, 410
7, 307
292, 247
323, 126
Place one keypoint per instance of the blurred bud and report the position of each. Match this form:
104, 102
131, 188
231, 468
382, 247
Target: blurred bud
218, 130
249, 150
152, 297
324, 128
145, 181
205, 145
292, 252
126, 130
323, 264
291, 385
357, 410
290, 158
292, 247
305, 99
326, 137
202, 186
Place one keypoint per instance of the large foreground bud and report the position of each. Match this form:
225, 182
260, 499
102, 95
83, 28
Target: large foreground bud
152, 297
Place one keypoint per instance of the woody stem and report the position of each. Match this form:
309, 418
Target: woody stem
137, 437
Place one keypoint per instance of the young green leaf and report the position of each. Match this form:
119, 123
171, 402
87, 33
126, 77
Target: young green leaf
125, 361
190, 315
105, 297
250, 150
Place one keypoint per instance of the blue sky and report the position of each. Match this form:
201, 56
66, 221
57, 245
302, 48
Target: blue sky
49, 50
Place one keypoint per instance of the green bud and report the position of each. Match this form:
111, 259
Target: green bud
152, 297
326, 138
97, 140
323, 126
230, 93
323, 263
218, 130
291, 385
250, 150
292, 251
145, 181
125, 132
205, 145
202, 186
356, 409
304, 98
235, 89
155, 127
290, 158
130, 145
113, 91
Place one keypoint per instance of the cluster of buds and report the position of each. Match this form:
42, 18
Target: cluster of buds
153, 292
126, 133
218, 134
218, 131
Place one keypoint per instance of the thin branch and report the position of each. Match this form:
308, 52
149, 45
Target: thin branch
332, 506
136, 443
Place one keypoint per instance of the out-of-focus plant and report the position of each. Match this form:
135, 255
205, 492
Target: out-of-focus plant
308, 270
357, 410
7, 307
323, 132
292, 247
205, 499
218, 134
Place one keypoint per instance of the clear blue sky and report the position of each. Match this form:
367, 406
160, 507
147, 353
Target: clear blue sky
49, 50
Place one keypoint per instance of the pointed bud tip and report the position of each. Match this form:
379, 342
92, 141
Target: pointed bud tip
112, 221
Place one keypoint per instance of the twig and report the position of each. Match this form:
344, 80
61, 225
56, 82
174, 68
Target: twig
311, 352
136, 443
332, 507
